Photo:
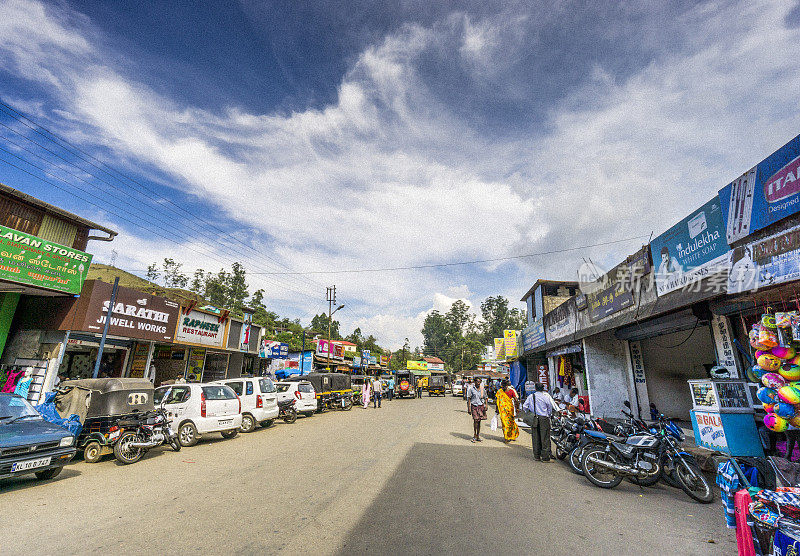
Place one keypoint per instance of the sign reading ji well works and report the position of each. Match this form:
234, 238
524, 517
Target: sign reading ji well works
31, 260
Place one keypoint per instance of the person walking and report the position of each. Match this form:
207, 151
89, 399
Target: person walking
506, 410
539, 408
390, 389
377, 392
365, 394
476, 398
419, 387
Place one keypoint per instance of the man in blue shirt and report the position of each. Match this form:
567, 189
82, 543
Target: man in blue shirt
539, 408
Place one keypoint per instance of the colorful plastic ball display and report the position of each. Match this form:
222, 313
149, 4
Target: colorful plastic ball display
782, 352
769, 407
790, 372
767, 395
761, 352
773, 380
795, 421
785, 410
789, 394
769, 362
755, 336
794, 360
775, 423
757, 372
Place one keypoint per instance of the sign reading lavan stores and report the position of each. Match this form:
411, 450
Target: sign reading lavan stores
31, 260
691, 250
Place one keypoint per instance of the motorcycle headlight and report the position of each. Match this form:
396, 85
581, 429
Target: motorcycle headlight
66, 441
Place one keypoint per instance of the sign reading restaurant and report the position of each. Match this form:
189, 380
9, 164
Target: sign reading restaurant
196, 327
27, 259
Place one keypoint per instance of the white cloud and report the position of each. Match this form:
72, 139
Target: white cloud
390, 175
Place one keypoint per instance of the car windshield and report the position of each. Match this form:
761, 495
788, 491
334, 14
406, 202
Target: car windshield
219, 393
14, 407
267, 386
283, 387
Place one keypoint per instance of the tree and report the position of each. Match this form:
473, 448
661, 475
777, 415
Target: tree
173, 277
236, 288
496, 317
152, 272
320, 322
198, 284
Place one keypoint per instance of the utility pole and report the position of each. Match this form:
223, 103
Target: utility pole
330, 297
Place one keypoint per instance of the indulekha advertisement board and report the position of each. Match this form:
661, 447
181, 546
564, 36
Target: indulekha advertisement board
417, 365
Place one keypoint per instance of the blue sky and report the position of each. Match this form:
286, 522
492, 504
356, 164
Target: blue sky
324, 135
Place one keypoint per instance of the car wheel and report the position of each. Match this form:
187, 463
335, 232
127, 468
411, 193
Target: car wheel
48, 473
92, 452
187, 434
268, 423
308, 413
230, 433
248, 423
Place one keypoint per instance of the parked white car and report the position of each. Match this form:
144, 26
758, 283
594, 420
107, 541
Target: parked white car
196, 409
458, 387
259, 400
303, 393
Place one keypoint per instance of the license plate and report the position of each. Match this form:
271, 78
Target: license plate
226, 421
114, 435
30, 464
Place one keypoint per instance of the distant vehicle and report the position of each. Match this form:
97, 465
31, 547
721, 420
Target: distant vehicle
28, 443
458, 387
332, 390
259, 400
302, 392
197, 409
436, 385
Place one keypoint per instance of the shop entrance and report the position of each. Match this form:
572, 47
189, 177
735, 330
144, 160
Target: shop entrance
78, 362
170, 364
670, 360
216, 366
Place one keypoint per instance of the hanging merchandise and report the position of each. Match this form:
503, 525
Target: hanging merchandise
11, 381
783, 322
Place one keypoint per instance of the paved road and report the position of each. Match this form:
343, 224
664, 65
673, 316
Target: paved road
402, 479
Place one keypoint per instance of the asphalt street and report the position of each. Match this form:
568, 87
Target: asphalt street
402, 479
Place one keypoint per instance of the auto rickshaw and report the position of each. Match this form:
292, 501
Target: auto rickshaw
358, 382
436, 385
332, 390
405, 385
101, 403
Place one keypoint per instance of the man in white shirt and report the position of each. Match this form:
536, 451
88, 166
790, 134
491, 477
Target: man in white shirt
539, 408
377, 392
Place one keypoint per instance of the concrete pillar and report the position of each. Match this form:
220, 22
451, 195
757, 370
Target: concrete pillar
607, 374
8, 306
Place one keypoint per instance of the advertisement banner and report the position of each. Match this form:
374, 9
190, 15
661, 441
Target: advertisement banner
139, 360
272, 349
338, 351
510, 343
417, 365
561, 321
135, 314
608, 301
533, 336
244, 340
323, 348
766, 262
201, 328
709, 427
763, 195
384, 361
436, 367
723, 342
27, 259
365, 357
691, 250
499, 349
196, 359
543, 376
356, 361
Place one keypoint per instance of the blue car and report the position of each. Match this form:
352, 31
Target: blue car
28, 443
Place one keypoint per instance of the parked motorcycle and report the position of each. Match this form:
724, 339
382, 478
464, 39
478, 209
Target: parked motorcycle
287, 411
134, 437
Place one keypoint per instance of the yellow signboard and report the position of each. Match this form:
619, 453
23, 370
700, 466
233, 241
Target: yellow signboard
510, 337
499, 351
417, 365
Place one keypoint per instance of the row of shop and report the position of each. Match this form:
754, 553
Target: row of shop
678, 309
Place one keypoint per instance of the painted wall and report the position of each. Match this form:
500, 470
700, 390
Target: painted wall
607, 374
672, 359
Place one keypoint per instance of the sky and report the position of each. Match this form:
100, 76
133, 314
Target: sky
316, 136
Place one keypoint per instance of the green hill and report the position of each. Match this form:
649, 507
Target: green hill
107, 273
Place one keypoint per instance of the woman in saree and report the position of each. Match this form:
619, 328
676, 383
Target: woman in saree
506, 409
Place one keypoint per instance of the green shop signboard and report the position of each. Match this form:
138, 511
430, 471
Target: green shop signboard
31, 260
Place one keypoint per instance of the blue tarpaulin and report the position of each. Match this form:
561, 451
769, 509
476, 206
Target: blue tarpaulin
518, 375
49, 413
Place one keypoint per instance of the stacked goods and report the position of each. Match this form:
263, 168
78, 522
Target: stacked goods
777, 368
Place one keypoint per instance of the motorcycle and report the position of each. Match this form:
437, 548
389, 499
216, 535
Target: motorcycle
341, 401
134, 437
287, 411
679, 467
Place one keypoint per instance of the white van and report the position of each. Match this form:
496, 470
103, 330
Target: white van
196, 409
259, 400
